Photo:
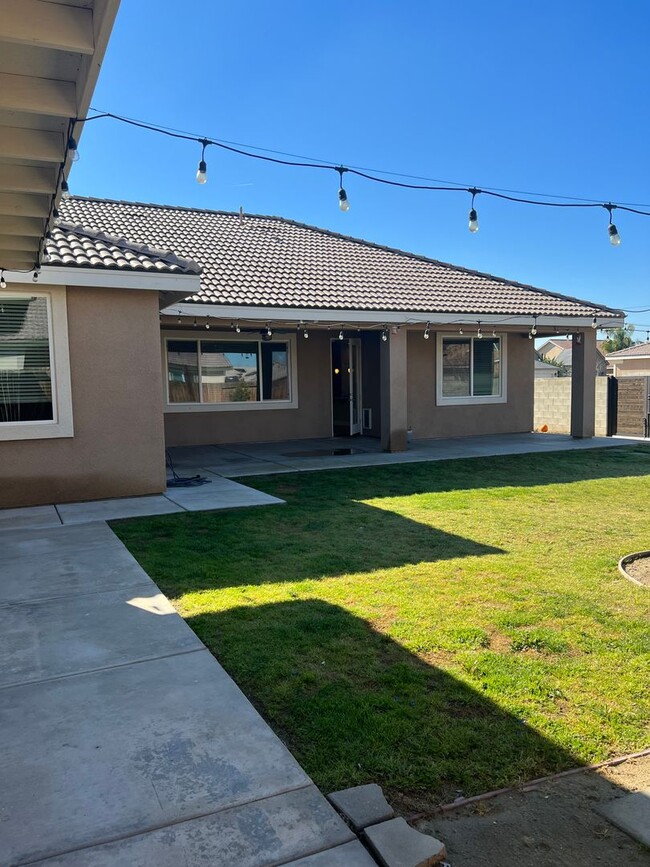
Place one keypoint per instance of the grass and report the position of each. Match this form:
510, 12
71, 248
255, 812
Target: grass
437, 628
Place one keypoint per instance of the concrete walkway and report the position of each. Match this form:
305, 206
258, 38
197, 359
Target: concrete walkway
254, 459
123, 739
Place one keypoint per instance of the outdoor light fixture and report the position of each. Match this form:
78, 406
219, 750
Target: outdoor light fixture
305, 333
202, 171
384, 335
479, 333
207, 322
72, 148
35, 276
3, 282
426, 331
237, 328
341, 334
594, 324
460, 330
473, 216
344, 204
65, 190
614, 237
533, 330
178, 318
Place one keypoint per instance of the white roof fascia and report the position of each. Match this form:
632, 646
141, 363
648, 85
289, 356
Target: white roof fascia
392, 317
106, 278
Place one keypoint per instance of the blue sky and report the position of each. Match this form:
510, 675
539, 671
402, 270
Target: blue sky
547, 97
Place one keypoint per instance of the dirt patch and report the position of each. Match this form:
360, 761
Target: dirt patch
553, 826
639, 569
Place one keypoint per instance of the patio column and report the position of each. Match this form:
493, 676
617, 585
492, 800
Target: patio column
583, 384
392, 365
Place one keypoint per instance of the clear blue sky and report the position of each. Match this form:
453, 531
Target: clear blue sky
549, 97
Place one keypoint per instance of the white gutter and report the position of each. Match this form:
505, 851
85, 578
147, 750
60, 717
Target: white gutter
380, 317
105, 278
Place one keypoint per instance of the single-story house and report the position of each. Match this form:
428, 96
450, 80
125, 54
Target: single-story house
544, 370
560, 349
633, 361
152, 326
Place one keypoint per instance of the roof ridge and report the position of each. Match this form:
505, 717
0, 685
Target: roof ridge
416, 256
123, 243
638, 345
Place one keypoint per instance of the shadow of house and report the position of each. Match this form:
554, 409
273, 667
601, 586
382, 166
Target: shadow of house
355, 707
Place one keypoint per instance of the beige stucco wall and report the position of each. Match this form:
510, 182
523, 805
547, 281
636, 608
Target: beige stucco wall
553, 405
632, 367
312, 417
429, 420
117, 449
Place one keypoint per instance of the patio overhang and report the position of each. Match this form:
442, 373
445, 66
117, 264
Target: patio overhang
360, 318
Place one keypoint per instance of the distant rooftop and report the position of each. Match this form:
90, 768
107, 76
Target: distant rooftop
638, 350
275, 262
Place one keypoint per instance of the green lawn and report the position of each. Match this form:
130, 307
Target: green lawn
440, 627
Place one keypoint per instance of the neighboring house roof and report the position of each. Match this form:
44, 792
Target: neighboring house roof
544, 365
275, 262
72, 245
560, 349
638, 350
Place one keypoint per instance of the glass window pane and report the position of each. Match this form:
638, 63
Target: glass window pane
275, 371
183, 371
455, 367
229, 371
487, 367
25, 374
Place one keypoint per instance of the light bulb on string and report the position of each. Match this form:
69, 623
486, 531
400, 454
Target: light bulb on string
72, 149
341, 334
473, 216
614, 237
178, 318
494, 332
344, 203
384, 335
460, 330
426, 331
269, 333
195, 322
479, 333
305, 333
237, 327
65, 189
533, 330
202, 171
594, 323
3, 282
207, 322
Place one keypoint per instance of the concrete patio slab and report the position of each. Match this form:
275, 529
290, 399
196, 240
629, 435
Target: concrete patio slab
272, 831
105, 755
54, 541
58, 637
29, 516
631, 814
109, 510
68, 572
221, 494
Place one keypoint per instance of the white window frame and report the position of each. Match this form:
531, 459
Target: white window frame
61, 424
235, 406
470, 400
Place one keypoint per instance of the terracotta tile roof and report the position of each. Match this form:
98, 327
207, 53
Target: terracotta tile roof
271, 261
639, 349
74, 245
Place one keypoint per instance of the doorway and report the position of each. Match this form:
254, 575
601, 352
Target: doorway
346, 387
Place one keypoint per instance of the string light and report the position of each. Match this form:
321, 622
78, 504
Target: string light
344, 204
207, 322
533, 330
479, 333
178, 318
473, 216
65, 189
594, 324
341, 334
384, 335
237, 328
426, 331
36, 275
494, 332
72, 149
269, 333
460, 330
3, 282
527, 198
614, 237
305, 333
195, 322
202, 171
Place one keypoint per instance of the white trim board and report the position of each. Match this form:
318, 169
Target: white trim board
108, 279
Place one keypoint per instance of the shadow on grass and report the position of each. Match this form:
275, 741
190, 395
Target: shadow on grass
212, 550
355, 707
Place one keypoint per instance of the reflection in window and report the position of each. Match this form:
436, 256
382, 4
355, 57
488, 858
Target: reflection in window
183, 371
227, 371
25, 370
471, 367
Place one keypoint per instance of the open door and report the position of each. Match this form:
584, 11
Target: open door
346, 387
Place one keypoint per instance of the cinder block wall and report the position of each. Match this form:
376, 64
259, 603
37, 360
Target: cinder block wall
553, 404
